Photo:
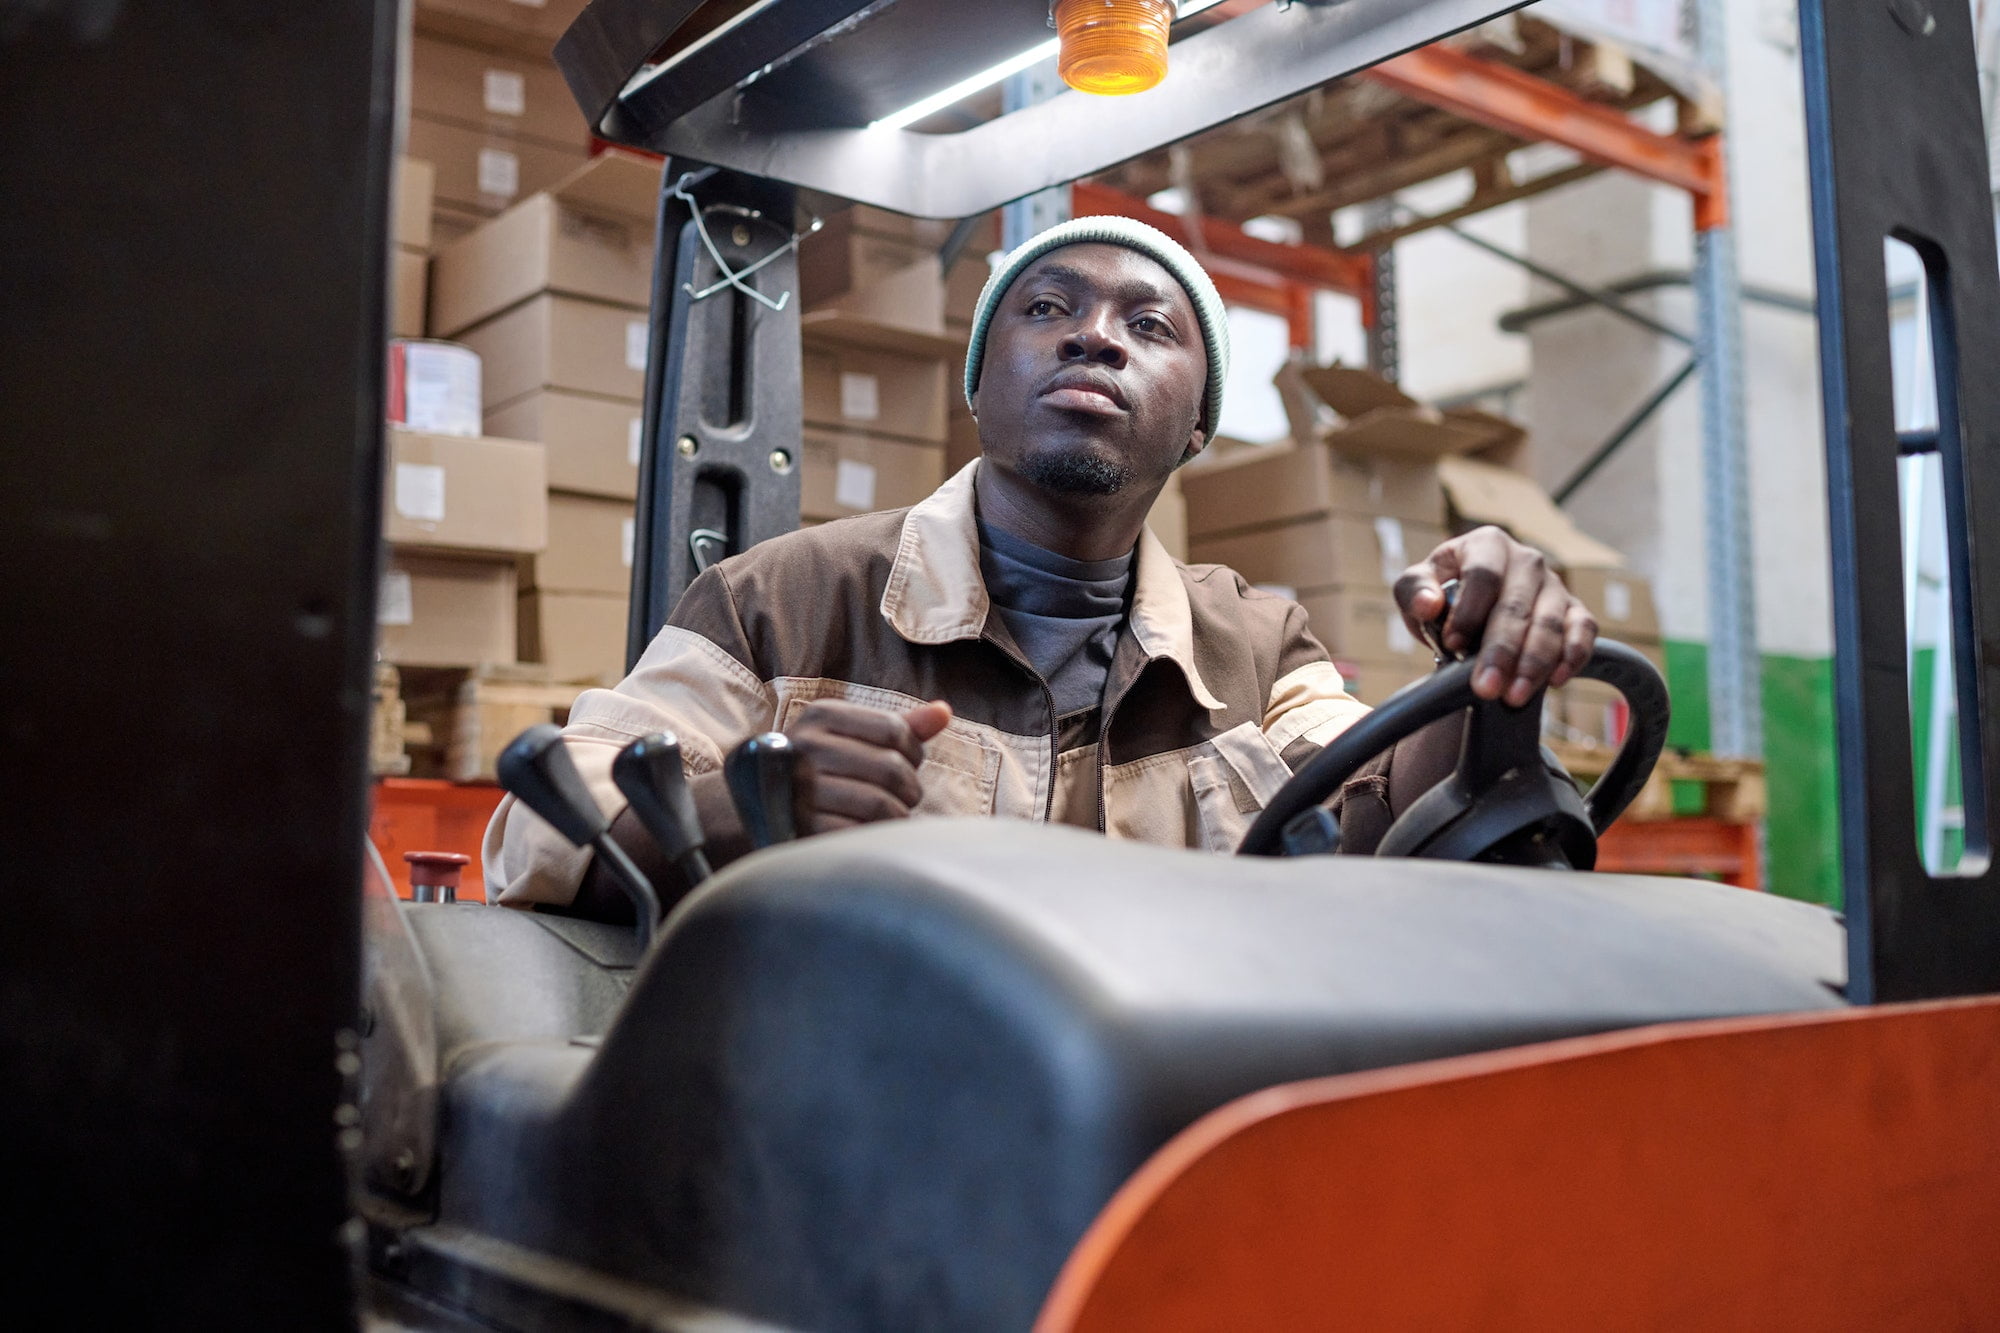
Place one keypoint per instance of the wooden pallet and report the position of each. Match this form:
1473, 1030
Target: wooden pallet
1733, 789
460, 720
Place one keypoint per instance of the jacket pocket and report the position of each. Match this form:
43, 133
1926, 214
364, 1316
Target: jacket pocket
960, 775
1220, 822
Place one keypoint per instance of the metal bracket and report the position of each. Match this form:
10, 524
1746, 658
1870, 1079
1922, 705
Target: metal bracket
719, 446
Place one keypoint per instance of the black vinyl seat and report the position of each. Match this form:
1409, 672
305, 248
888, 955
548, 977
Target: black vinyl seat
885, 1079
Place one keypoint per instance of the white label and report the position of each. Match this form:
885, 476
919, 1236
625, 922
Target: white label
625, 533
441, 388
506, 93
854, 484
1284, 590
1617, 599
420, 491
1389, 536
394, 605
1400, 638
632, 442
531, 4
636, 338
860, 396
499, 173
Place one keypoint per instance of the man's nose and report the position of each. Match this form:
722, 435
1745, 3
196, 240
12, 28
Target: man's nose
1095, 338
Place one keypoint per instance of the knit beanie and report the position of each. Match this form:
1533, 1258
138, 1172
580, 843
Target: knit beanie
1133, 235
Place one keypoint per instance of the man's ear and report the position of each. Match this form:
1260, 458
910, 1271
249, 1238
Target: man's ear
1197, 441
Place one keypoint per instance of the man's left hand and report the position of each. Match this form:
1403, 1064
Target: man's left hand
1530, 629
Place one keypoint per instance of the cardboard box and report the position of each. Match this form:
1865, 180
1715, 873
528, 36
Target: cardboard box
1168, 518
528, 27
884, 280
930, 233
492, 90
560, 342
881, 392
962, 443
962, 286
850, 473
1373, 682
409, 277
446, 492
589, 234
1482, 492
1283, 484
577, 635
1375, 415
589, 548
1621, 600
446, 611
1362, 623
1338, 551
482, 171
416, 186
592, 443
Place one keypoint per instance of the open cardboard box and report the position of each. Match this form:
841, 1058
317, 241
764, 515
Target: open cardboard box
1376, 417
1482, 492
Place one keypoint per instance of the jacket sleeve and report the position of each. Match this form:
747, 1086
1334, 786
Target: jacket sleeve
1309, 703
697, 680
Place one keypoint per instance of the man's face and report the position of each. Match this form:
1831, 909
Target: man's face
1094, 372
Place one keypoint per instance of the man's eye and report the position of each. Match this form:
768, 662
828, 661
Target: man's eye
1041, 306
1152, 324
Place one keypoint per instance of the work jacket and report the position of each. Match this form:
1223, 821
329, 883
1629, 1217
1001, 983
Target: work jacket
1216, 690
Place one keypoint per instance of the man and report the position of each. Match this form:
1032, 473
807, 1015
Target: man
1019, 644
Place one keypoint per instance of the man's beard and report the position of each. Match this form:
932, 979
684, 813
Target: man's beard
1079, 473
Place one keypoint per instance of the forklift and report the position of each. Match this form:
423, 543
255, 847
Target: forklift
950, 1074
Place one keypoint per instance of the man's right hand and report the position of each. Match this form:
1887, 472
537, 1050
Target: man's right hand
864, 761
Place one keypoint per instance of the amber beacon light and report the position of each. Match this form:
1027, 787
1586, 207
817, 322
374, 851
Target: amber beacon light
1113, 47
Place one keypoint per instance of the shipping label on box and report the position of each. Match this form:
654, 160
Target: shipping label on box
485, 171
1621, 600
446, 492
592, 443
496, 91
1338, 551
887, 393
446, 611
849, 473
589, 547
559, 342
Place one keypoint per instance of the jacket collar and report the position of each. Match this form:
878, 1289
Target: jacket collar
935, 593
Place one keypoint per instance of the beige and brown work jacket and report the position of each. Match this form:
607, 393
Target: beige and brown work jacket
1216, 690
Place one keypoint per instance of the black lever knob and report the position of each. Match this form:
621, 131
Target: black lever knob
769, 781
649, 774
536, 769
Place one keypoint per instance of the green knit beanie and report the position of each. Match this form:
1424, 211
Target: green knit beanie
1133, 235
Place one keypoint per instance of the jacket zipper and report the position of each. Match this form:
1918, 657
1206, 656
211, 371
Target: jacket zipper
1049, 705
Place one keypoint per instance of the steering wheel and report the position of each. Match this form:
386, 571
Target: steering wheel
1501, 803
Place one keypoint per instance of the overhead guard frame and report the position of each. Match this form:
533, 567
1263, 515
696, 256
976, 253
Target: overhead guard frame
727, 100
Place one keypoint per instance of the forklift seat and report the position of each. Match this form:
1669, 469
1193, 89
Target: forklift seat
886, 1078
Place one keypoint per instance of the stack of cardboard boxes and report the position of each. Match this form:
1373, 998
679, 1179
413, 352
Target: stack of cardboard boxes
1369, 483
877, 363
1484, 491
488, 108
1333, 516
552, 294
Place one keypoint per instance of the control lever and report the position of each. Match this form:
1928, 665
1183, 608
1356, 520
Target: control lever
1433, 630
536, 769
771, 785
649, 773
